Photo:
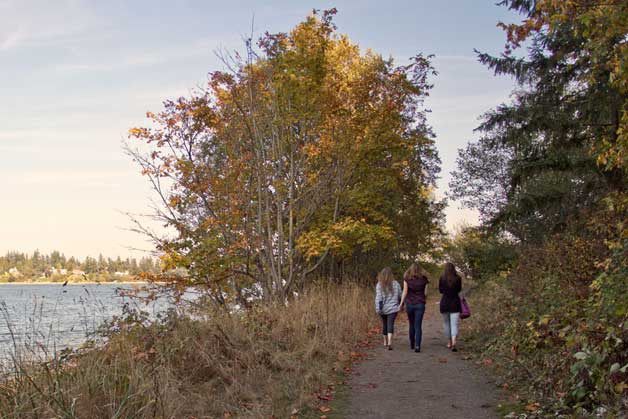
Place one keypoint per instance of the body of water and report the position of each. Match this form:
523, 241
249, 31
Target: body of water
39, 319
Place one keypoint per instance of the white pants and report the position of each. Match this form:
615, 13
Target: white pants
450, 321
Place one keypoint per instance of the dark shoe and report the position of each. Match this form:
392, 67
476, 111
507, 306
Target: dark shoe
390, 348
417, 350
454, 349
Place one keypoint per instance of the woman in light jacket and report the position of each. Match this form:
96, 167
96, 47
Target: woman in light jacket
387, 297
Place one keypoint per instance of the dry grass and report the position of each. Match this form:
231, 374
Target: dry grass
266, 362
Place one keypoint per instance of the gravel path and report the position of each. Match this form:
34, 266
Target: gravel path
435, 383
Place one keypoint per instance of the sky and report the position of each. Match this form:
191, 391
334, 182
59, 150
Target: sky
75, 75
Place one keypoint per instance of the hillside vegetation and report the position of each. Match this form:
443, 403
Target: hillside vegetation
548, 174
56, 267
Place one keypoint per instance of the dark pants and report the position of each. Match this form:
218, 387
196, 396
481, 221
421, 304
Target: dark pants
388, 323
415, 322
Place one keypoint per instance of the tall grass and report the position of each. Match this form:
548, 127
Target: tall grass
268, 361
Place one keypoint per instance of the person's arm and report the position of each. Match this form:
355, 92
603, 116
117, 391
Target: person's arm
426, 289
458, 285
378, 297
403, 294
441, 286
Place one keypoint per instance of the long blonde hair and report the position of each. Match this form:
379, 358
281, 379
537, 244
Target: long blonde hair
415, 270
385, 279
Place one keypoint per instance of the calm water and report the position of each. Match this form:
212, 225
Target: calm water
39, 319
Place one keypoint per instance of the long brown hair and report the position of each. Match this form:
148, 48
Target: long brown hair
385, 279
450, 275
414, 270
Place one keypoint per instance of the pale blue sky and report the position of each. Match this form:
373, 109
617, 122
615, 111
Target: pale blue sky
75, 75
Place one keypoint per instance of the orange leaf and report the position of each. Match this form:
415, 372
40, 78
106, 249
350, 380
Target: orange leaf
533, 407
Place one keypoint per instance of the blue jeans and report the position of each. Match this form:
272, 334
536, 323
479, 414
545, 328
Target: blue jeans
415, 322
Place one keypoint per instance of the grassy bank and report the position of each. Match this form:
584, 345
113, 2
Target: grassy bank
270, 361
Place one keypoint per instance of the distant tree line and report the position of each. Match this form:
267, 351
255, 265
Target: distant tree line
56, 264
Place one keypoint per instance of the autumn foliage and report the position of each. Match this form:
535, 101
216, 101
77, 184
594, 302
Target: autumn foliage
548, 175
306, 152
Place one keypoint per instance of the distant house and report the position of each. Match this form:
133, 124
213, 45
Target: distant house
118, 273
180, 272
55, 271
77, 272
14, 272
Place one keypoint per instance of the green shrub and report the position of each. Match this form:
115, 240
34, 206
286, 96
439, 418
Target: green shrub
556, 325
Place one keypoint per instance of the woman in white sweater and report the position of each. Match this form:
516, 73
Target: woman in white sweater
387, 297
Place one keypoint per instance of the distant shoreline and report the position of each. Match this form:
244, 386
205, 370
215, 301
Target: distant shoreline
81, 283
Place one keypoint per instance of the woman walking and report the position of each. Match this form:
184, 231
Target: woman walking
414, 295
387, 295
450, 285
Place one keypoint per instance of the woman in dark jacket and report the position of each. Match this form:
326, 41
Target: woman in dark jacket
450, 285
414, 294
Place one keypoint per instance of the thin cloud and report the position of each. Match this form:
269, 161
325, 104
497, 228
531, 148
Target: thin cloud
10, 40
58, 22
456, 58
139, 58
76, 178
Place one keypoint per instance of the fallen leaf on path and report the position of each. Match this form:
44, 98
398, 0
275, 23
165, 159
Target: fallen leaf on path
371, 385
442, 360
325, 409
487, 361
533, 407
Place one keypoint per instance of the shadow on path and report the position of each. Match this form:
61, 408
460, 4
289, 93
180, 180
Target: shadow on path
435, 383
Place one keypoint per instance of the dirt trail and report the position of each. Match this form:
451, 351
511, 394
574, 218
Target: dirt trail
435, 383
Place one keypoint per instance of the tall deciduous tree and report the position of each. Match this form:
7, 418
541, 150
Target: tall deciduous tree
306, 148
